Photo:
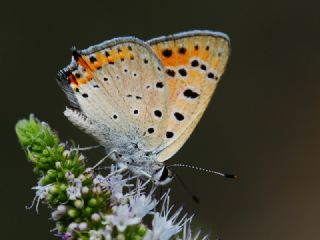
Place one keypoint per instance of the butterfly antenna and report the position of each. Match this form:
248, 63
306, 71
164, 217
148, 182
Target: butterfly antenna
226, 175
186, 188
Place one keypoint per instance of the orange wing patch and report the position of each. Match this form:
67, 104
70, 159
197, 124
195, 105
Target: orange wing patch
193, 64
88, 64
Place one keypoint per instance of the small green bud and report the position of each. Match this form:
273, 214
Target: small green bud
68, 163
78, 203
121, 237
72, 213
136, 238
92, 202
58, 165
88, 210
55, 189
51, 173
83, 238
142, 230
63, 187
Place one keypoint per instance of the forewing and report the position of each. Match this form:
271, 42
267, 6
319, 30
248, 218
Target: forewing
119, 88
194, 62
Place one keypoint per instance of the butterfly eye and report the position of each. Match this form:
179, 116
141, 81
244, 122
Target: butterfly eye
162, 176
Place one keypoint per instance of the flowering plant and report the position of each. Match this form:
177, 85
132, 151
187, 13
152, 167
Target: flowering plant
90, 206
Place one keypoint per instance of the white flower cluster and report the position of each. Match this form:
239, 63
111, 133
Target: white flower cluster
129, 206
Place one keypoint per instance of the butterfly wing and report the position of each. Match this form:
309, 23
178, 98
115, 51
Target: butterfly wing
194, 62
118, 91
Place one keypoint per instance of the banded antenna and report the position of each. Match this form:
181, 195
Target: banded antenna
226, 175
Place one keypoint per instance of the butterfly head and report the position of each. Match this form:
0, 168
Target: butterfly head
162, 176
145, 166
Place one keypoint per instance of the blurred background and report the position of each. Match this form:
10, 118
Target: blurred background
262, 125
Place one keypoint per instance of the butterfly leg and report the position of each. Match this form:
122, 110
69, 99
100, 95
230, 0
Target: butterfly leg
100, 162
122, 169
84, 148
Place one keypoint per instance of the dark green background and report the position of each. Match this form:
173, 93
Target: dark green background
263, 123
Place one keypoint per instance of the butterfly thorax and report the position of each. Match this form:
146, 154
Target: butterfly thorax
143, 164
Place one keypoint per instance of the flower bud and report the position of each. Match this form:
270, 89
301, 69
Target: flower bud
92, 202
81, 158
72, 213
78, 204
55, 215
69, 175
66, 153
72, 226
88, 210
85, 190
95, 217
82, 177
58, 165
121, 237
63, 187
62, 209
83, 226
96, 190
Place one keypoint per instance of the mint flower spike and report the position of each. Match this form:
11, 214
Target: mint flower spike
91, 205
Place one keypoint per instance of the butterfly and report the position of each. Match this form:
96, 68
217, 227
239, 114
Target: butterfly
142, 100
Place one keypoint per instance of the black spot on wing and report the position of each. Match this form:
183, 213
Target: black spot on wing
210, 75
167, 52
182, 72
150, 130
169, 134
170, 72
182, 50
194, 63
178, 116
76, 55
190, 94
92, 59
158, 113
159, 85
